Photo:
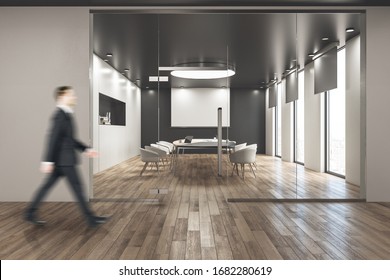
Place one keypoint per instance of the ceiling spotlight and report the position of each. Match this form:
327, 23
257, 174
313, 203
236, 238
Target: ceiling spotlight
109, 54
126, 70
350, 29
158, 78
325, 39
311, 54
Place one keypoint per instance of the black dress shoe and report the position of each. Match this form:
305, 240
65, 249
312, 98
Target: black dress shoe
98, 220
102, 219
32, 220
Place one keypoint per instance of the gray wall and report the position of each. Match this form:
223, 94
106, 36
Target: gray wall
377, 104
247, 118
42, 48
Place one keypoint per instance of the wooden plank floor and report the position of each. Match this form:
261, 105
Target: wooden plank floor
193, 219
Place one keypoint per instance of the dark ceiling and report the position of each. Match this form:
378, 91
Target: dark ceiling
257, 45
194, 3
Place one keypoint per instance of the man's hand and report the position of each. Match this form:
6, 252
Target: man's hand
47, 167
91, 153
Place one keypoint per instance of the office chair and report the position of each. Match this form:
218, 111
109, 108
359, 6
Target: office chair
148, 156
243, 156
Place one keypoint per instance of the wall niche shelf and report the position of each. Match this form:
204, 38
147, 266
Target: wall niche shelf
111, 111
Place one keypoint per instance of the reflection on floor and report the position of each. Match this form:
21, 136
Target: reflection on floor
193, 220
274, 179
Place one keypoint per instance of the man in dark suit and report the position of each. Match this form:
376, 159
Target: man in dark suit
60, 158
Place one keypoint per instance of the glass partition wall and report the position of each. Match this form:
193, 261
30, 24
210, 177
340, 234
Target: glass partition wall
194, 58
266, 93
195, 42
327, 112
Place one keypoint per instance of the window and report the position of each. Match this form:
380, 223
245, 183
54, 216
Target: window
299, 110
335, 121
279, 121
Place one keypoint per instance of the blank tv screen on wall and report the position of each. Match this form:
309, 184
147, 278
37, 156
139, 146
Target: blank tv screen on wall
198, 107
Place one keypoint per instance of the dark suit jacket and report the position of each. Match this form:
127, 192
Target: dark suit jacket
61, 146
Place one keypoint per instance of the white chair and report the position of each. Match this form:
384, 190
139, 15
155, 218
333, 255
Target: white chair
148, 156
162, 153
239, 147
168, 145
243, 156
170, 148
253, 146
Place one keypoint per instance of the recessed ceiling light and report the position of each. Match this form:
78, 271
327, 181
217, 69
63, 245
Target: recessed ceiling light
350, 29
126, 70
158, 78
325, 39
106, 60
311, 54
123, 73
109, 54
137, 80
147, 87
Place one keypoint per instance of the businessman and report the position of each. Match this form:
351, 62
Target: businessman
60, 158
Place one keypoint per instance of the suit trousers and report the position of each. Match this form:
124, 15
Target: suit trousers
73, 178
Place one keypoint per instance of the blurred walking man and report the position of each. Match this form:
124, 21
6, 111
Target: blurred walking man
60, 158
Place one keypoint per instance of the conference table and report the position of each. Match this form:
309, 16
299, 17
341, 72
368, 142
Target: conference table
200, 144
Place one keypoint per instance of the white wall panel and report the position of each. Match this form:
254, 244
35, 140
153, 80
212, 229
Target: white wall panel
115, 143
353, 103
314, 123
269, 127
287, 127
197, 107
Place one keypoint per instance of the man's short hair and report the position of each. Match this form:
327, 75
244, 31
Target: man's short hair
61, 91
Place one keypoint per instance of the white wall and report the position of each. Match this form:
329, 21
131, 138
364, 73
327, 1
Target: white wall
198, 107
287, 126
269, 127
353, 103
42, 48
314, 123
115, 143
377, 104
